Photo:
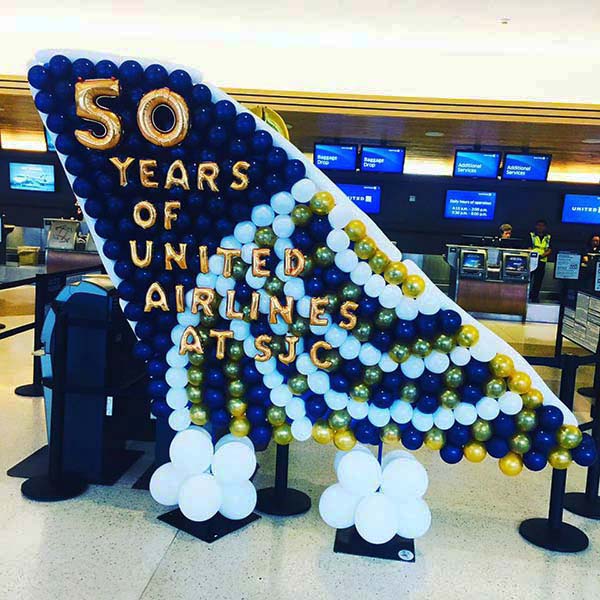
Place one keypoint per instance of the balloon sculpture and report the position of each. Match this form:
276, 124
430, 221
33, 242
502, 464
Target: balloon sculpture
266, 304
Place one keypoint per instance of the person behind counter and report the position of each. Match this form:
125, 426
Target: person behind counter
540, 243
506, 230
591, 251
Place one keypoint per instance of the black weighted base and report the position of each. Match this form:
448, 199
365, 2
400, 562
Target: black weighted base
348, 541
43, 489
579, 504
282, 503
208, 531
30, 390
34, 465
565, 538
143, 483
588, 392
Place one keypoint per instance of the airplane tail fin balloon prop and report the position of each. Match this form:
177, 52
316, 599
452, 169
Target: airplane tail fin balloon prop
267, 305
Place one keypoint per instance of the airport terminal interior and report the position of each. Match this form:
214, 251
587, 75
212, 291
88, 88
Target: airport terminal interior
466, 139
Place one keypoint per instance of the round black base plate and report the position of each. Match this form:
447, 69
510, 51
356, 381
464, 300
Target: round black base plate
565, 539
43, 489
282, 503
588, 392
577, 503
29, 389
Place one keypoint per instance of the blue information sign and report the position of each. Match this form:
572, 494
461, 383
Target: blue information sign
366, 197
466, 204
382, 159
340, 158
476, 164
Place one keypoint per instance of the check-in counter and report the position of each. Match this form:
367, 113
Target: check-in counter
491, 280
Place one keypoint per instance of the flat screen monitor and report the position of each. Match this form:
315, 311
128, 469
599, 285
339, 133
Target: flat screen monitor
515, 264
49, 143
474, 261
526, 167
31, 177
336, 157
476, 164
366, 197
470, 205
382, 159
581, 208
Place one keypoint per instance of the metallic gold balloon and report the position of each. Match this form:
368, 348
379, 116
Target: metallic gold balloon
360, 392
413, 286
232, 370
236, 388
298, 384
385, 318
409, 392
273, 286
276, 345
569, 436
195, 376
390, 433
449, 399
199, 414
520, 443
435, 439
519, 382
322, 433
324, 256
194, 394
197, 360
526, 420
399, 353
276, 415
467, 336
146, 107
481, 430
475, 451
395, 272
454, 377
559, 458
362, 332
344, 440
372, 375
351, 291
265, 237
444, 343
378, 261
511, 464
322, 203
282, 434
339, 419
502, 366
365, 248
236, 407
495, 387
238, 269
356, 230
299, 327
532, 399
301, 214
239, 426
235, 350
421, 347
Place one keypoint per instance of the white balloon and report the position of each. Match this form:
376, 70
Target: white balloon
176, 377
180, 419
337, 507
262, 215
174, 359
282, 203
338, 240
386, 364
485, 349
341, 215
280, 247
229, 438
401, 411
361, 273
204, 280
346, 260
395, 455
359, 473
233, 462
374, 286
369, 355
414, 518
176, 334
305, 365
245, 231
487, 408
390, 296
443, 418
378, 416
253, 281
294, 288
224, 284
350, 349
273, 380
336, 400
407, 309
216, 263
249, 347
177, 398
239, 500
318, 382
428, 303
200, 497
404, 477
247, 252
358, 447
165, 483
357, 410
336, 336
186, 319
465, 413
302, 429
422, 421
376, 519
267, 366
281, 395
240, 329
303, 190
437, 362
460, 356
283, 226
303, 307
191, 451
510, 403
295, 409
413, 367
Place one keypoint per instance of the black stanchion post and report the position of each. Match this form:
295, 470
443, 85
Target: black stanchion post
56, 484
281, 500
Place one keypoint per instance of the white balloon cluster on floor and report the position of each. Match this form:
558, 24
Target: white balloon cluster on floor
204, 479
379, 500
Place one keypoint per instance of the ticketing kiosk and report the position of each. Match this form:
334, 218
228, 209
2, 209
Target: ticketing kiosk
490, 279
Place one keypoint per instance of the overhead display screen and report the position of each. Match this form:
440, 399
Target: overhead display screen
332, 157
473, 206
581, 208
382, 159
31, 177
526, 167
366, 197
476, 164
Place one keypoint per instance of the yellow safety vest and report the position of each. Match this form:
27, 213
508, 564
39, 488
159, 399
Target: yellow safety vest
540, 245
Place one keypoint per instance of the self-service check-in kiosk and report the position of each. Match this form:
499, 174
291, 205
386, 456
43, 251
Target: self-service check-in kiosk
491, 280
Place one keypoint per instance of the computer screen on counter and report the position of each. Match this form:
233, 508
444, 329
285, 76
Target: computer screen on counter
31, 177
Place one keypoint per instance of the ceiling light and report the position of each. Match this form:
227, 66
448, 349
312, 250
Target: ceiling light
434, 134
505, 20
591, 141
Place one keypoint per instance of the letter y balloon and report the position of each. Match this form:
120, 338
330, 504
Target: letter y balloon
255, 287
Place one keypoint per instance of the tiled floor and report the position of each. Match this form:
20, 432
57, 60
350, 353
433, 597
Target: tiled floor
108, 543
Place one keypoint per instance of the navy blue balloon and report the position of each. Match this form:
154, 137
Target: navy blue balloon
497, 447
477, 372
318, 228
83, 68
382, 340
294, 171
258, 394
219, 418
44, 102
224, 111
162, 343
59, 66
82, 187
105, 229
534, 461
260, 436
367, 307
550, 418
586, 453
450, 321
314, 286
256, 414
215, 378
158, 388
56, 123
382, 399
244, 124
504, 425
262, 141
471, 394
353, 369
427, 326
431, 383
112, 249
144, 330
160, 409
106, 69
142, 351
131, 72
201, 95
133, 312
544, 441
75, 166
392, 381
458, 435
276, 158
64, 90
155, 76
157, 368
451, 454
406, 331
366, 433
315, 408
214, 397
339, 383
124, 269
39, 77
66, 143
217, 136
180, 82
428, 404
412, 439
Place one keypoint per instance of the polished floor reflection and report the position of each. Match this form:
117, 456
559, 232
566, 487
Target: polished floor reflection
108, 544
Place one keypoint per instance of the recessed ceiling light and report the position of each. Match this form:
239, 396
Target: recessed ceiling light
434, 134
505, 20
591, 141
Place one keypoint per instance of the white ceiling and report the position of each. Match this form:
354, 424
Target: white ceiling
445, 48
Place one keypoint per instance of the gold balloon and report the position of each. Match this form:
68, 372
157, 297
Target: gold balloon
449, 399
569, 436
365, 248
236, 407
344, 440
495, 387
475, 452
502, 365
199, 414
239, 426
413, 286
421, 347
395, 272
399, 353
444, 343
390, 433
559, 458
520, 443
276, 415
409, 392
339, 419
356, 230
322, 203
282, 434
378, 261
533, 398
481, 430
453, 377
194, 394
146, 107
511, 464
435, 439
467, 336
322, 433
526, 420
519, 382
